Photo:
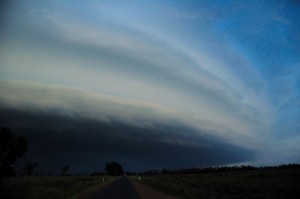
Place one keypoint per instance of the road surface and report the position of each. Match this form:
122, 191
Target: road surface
119, 189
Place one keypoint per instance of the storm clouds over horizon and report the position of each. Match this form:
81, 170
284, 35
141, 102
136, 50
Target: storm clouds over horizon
213, 82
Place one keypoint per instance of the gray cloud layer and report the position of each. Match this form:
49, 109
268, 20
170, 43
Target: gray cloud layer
22, 95
86, 143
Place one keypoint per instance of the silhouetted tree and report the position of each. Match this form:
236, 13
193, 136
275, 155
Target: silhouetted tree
11, 148
113, 168
30, 167
65, 170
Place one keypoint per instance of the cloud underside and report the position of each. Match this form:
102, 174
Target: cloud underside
65, 124
86, 144
73, 102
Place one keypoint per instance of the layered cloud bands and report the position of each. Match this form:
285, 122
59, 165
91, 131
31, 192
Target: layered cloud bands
130, 67
123, 63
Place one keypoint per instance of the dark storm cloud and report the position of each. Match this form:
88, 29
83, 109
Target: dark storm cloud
86, 144
121, 75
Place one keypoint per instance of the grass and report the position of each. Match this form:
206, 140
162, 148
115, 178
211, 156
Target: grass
243, 184
37, 187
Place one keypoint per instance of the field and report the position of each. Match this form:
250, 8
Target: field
242, 184
49, 187
238, 184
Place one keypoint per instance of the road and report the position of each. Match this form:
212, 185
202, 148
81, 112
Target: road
119, 189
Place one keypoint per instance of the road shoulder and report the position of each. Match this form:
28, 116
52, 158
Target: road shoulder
146, 192
88, 193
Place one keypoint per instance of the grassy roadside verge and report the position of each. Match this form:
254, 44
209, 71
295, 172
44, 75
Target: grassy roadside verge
49, 187
249, 184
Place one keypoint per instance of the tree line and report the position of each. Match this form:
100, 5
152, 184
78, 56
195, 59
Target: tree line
221, 169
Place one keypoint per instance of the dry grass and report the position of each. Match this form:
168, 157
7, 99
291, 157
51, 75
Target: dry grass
245, 184
49, 187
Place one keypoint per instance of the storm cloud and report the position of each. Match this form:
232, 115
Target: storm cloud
86, 144
224, 74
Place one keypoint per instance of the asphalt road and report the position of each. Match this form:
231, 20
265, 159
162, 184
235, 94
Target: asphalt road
119, 189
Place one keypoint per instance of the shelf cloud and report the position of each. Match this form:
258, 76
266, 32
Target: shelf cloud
208, 74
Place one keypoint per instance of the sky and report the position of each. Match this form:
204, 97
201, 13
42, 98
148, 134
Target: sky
152, 84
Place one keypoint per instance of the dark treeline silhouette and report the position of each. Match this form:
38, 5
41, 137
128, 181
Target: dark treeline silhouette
222, 169
97, 174
115, 169
11, 148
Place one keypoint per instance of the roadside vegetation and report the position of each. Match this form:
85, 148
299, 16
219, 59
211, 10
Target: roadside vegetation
276, 183
49, 187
